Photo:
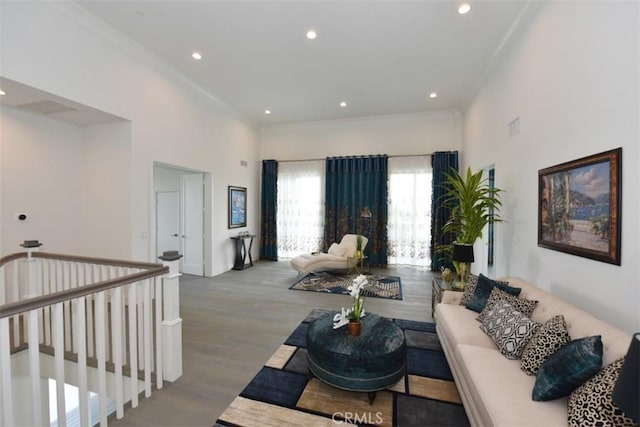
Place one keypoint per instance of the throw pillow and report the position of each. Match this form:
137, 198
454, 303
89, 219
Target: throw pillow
508, 328
569, 367
552, 335
483, 290
336, 249
469, 288
523, 305
592, 403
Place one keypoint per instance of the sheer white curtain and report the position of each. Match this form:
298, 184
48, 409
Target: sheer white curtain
409, 223
300, 217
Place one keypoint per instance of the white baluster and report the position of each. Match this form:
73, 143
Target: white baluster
148, 330
81, 346
58, 346
101, 327
116, 329
6, 417
133, 344
158, 309
34, 367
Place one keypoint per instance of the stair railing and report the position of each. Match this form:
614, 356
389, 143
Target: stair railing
111, 327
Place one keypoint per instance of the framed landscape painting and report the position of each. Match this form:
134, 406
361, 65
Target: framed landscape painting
237, 207
579, 206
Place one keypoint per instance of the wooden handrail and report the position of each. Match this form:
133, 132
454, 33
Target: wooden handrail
151, 270
76, 258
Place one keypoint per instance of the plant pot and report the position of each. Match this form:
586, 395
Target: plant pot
354, 328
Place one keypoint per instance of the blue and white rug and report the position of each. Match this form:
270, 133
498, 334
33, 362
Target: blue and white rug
283, 394
329, 282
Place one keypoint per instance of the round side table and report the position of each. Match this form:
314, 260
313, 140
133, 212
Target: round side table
373, 361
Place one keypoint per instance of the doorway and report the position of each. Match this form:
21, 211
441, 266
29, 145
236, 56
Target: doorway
180, 216
487, 242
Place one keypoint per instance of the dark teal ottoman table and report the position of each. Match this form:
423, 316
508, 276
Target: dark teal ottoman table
373, 361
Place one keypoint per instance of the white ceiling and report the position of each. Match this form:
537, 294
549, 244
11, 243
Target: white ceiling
46, 104
381, 57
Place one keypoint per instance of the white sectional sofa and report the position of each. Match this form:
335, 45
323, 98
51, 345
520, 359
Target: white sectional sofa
494, 391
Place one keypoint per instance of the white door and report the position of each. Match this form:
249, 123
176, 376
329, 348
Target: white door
193, 225
167, 221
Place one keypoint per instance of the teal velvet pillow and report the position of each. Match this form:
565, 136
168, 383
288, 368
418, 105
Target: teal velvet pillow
568, 368
483, 291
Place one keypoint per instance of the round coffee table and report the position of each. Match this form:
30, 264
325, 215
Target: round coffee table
373, 361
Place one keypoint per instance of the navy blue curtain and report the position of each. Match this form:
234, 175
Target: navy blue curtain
353, 183
441, 162
268, 229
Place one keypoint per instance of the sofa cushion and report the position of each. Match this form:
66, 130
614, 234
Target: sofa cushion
454, 321
552, 335
483, 291
592, 403
501, 394
523, 305
568, 368
508, 328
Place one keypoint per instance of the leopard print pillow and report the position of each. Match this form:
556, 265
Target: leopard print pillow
469, 288
591, 404
552, 335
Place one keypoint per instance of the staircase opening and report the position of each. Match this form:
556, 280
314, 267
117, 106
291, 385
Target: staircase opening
72, 406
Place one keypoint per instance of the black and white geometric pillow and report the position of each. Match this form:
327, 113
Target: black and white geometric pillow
523, 305
509, 329
591, 404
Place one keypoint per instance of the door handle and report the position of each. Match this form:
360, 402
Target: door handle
174, 234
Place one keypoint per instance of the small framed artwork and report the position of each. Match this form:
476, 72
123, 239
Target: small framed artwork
579, 206
237, 207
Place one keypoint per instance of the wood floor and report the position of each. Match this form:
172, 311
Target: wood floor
234, 322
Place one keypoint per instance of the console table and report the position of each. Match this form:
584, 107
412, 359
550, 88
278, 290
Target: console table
242, 252
438, 286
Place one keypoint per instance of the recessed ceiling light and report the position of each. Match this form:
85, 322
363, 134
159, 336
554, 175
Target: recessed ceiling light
196, 55
2, 92
433, 95
343, 104
267, 112
464, 8
311, 34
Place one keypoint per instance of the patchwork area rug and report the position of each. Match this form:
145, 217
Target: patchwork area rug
324, 281
283, 394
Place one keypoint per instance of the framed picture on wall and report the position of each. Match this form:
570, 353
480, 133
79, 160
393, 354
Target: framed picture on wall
237, 207
579, 206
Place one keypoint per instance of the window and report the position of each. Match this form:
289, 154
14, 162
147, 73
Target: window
300, 207
409, 224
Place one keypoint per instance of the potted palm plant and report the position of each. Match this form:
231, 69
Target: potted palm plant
474, 204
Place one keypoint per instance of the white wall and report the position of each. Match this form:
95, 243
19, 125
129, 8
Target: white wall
420, 133
572, 78
105, 174
58, 48
36, 176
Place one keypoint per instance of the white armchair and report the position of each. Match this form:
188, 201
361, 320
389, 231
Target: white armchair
340, 256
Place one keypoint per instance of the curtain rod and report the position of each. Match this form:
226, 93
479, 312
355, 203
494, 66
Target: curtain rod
315, 160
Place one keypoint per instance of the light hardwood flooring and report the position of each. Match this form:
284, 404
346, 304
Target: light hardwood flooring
234, 322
